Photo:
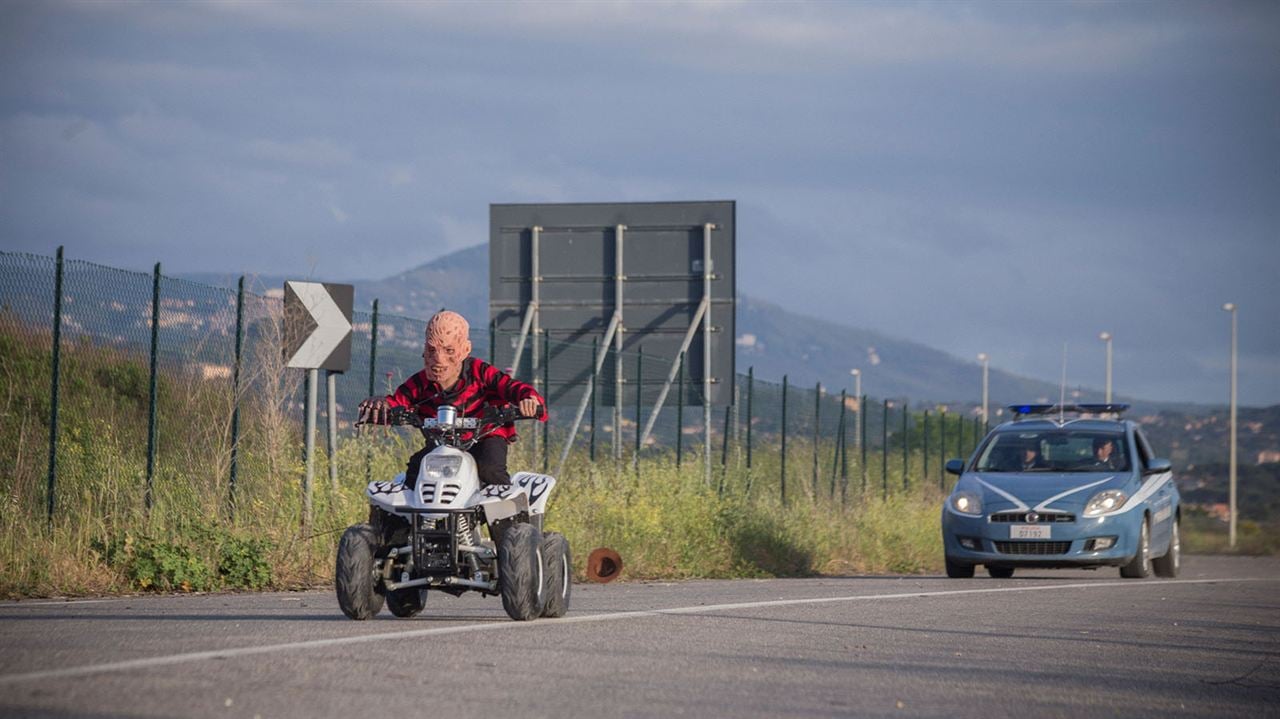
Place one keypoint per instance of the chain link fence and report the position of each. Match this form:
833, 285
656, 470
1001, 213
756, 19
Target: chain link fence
108, 346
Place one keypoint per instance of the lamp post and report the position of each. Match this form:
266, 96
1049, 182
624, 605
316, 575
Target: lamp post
1231, 535
857, 418
982, 357
1106, 337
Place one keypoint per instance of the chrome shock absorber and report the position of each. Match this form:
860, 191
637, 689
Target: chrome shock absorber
467, 535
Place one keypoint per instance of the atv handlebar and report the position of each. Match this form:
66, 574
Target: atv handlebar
403, 416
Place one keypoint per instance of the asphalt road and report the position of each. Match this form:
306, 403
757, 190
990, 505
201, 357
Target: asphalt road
1045, 643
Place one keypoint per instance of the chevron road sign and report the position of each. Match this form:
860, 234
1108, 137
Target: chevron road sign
317, 325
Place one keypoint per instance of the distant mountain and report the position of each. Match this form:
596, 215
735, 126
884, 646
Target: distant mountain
773, 340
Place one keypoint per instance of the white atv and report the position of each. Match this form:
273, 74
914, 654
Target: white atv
429, 537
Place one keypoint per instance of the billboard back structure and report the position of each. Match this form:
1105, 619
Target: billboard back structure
623, 277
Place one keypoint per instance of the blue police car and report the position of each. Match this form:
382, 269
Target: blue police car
1063, 486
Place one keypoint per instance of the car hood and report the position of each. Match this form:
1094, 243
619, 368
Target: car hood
1040, 491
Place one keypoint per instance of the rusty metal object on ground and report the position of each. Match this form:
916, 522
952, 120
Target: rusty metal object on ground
604, 565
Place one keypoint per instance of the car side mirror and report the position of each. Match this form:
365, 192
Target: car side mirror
955, 466
1157, 466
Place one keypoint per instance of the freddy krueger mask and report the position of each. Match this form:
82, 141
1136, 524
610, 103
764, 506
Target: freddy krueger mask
448, 344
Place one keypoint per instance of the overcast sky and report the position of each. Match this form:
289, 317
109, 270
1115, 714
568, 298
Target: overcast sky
976, 177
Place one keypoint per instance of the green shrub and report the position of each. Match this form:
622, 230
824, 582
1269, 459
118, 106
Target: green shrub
244, 564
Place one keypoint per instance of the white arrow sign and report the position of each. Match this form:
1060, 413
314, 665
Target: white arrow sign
332, 325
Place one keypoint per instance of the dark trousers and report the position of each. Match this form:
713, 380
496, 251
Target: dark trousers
490, 454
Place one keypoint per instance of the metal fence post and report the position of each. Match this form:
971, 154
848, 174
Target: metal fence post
635, 457
546, 387
884, 450
836, 464
493, 338
751, 384
235, 397
924, 446
373, 364
595, 351
817, 420
151, 403
54, 382
862, 439
680, 414
906, 456
977, 436
331, 427
782, 482
942, 447
724, 449
960, 437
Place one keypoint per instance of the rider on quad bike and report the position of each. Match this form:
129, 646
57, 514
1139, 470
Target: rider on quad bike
450, 376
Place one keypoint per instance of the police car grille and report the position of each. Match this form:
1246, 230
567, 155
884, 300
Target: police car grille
1033, 547
1045, 518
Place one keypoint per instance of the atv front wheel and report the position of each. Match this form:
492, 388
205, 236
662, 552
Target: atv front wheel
520, 571
557, 577
355, 577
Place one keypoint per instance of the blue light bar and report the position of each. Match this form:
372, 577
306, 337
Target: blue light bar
1021, 410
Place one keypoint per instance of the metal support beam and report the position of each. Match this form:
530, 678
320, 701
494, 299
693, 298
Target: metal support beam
525, 326
586, 396
706, 349
673, 371
619, 233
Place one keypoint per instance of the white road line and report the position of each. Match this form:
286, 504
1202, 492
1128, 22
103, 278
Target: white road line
171, 659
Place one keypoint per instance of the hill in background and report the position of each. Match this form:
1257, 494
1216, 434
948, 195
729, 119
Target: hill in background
774, 340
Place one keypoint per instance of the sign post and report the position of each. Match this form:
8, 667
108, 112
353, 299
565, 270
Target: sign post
317, 335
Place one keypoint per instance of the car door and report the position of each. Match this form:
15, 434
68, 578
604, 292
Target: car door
1161, 502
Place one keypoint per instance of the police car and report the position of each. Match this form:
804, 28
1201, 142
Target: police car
1063, 486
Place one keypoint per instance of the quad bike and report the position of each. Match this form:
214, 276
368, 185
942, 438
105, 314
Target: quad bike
429, 538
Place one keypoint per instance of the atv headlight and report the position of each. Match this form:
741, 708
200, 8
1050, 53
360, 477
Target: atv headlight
441, 467
966, 503
1105, 501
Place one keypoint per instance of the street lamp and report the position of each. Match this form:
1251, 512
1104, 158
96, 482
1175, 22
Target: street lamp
982, 357
857, 418
1106, 337
1231, 307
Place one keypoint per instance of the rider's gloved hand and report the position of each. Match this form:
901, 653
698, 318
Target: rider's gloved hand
529, 407
374, 410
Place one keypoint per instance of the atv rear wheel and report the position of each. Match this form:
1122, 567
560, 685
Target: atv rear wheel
355, 577
406, 603
520, 571
557, 576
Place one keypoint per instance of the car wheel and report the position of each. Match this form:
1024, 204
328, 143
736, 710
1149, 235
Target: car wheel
999, 572
958, 571
1140, 566
1168, 565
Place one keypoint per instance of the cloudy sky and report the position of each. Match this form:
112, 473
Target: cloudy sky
999, 177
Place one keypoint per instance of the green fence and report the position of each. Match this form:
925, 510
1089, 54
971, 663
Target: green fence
79, 328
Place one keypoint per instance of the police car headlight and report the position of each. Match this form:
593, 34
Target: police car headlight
1108, 500
441, 467
966, 503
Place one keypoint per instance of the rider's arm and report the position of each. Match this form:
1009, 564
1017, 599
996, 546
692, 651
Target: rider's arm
504, 387
409, 392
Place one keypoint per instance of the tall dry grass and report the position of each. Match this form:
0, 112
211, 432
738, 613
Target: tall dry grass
665, 521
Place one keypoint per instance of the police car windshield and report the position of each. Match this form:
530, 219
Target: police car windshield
1056, 450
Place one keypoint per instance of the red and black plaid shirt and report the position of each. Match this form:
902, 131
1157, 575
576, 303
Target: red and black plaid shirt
480, 385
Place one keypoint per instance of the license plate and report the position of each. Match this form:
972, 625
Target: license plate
1028, 531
